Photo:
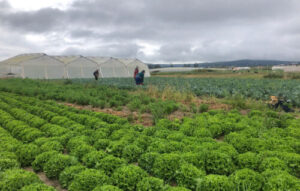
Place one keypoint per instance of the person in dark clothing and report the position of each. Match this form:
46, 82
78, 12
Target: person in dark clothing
139, 79
96, 74
136, 71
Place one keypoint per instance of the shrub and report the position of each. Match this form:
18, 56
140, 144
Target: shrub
274, 75
127, 177
273, 163
107, 188
110, 163
37, 187
88, 179
165, 166
219, 163
146, 161
187, 176
150, 183
56, 164
90, 159
15, 179
41, 159
214, 182
26, 154
52, 145
68, 174
203, 108
279, 180
132, 152
246, 179
6, 163
248, 160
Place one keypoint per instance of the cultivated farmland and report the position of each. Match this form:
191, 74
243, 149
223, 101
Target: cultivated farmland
85, 150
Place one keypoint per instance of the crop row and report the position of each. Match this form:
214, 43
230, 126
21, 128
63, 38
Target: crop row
90, 94
259, 89
260, 152
12, 177
53, 163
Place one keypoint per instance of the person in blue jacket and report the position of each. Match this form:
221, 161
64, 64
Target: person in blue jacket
139, 79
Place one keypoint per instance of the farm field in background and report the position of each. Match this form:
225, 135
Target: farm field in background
257, 89
224, 73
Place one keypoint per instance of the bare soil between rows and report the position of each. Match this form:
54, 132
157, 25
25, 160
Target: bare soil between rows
146, 119
46, 180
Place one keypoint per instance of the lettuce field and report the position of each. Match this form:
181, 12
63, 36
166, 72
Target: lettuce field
85, 150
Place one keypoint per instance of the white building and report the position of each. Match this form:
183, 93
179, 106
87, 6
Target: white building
288, 68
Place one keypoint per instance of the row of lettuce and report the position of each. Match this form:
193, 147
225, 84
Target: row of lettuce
86, 150
90, 94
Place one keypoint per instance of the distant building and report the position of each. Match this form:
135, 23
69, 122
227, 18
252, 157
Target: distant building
289, 68
240, 68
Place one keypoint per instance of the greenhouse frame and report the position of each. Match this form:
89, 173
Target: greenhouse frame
43, 66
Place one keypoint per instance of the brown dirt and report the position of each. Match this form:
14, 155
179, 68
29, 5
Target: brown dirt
146, 119
143, 119
213, 104
47, 181
245, 111
220, 139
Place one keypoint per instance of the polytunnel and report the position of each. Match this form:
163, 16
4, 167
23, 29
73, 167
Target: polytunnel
132, 63
35, 66
110, 67
78, 66
42, 66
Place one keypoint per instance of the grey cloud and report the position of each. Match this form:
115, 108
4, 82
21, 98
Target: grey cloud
114, 50
39, 21
190, 30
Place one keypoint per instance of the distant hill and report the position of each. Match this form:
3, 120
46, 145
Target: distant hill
235, 63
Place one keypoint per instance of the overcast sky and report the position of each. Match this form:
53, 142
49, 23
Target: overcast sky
154, 31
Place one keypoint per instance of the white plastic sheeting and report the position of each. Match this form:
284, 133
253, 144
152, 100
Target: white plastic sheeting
42, 66
110, 67
131, 64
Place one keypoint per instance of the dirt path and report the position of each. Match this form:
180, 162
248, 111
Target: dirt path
47, 181
143, 119
146, 119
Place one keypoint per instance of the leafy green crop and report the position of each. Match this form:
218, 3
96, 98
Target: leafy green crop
127, 177
88, 180
15, 179
37, 187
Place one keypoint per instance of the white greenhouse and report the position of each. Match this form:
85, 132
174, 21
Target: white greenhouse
133, 63
42, 66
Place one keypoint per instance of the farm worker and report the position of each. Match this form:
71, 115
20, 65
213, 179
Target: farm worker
96, 74
136, 71
139, 79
